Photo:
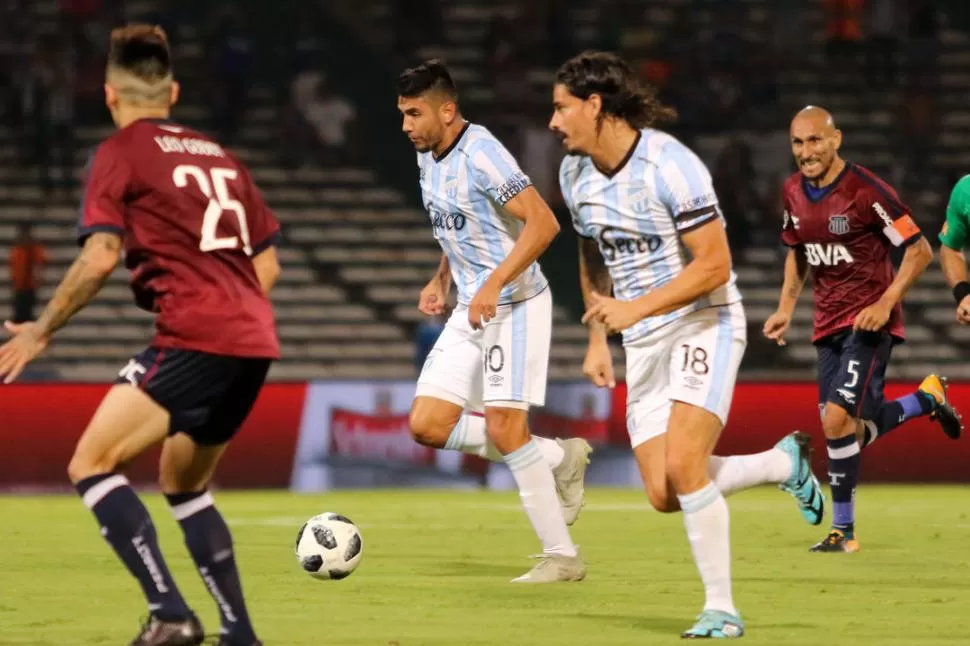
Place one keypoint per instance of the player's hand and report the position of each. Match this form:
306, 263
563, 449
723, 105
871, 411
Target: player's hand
483, 307
598, 365
873, 318
963, 311
776, 326
21, 349
615, 315
433, 299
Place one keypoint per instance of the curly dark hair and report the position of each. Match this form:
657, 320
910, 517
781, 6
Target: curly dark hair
624, 96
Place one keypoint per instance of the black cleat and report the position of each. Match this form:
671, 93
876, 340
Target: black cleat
945, 414
156, 632
836, 542
224, 641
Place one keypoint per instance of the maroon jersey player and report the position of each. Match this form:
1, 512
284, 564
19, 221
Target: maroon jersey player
842, 222
198, 240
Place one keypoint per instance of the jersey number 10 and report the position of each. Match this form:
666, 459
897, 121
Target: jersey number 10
220, 201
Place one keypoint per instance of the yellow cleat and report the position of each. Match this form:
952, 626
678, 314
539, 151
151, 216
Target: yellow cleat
944, 413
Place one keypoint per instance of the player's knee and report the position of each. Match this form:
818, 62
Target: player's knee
687, 472
427, 428
84, 465
836, 422
662, 498
507, 428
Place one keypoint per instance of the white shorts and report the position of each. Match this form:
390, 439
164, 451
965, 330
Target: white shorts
505, 363
694, 360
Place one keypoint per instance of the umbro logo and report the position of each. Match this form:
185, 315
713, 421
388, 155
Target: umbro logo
847, 395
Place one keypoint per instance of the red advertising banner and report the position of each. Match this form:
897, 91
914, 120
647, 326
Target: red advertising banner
41, 423
916, 451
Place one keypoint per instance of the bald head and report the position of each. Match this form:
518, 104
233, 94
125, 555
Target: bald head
815, 116
815, 143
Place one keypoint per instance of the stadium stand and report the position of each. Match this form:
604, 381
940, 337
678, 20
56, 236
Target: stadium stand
346, 303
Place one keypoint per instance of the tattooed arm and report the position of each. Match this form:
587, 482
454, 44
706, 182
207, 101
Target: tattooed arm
84, 279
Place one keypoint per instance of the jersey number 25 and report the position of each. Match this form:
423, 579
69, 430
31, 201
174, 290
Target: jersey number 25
220, 201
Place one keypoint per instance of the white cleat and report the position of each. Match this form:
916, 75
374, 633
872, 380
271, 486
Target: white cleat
553, 568
570, 477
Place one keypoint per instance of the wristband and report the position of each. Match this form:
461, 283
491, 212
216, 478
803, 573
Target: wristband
961, 290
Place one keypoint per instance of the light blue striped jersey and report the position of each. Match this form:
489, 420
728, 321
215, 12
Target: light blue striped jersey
637, 216
464, 192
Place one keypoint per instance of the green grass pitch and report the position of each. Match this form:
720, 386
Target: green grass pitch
436, 567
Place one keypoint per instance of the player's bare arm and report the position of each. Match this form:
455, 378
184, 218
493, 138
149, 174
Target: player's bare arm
796, 273
541, 228
954, 264
434, 296
267, 266
83, 280
709, 269
594, 276
915, 261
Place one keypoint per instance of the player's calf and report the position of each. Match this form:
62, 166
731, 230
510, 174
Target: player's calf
844, 454
651, 459
185, 471
508, 429
126, 423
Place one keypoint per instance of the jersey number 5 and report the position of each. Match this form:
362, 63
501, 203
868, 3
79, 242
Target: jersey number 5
220, 201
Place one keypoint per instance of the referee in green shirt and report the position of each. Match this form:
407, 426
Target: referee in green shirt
954, 236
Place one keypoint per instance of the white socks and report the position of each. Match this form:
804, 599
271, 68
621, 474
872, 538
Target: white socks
538, 492
469, 436
736, 472
708, 530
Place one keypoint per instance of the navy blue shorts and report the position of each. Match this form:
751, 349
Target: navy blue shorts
207, 395
852, 371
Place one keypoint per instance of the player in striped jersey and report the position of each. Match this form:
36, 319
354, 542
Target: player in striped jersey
651, 230
492, 226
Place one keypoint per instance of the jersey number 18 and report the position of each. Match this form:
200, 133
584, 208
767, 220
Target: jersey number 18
220, 201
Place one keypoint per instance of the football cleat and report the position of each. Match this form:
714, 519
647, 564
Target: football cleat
715, 624
224, 641
553, 568
836, 542
935, 386
803, 485
570, 477
157, 632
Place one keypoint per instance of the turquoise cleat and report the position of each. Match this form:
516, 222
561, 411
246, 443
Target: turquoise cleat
715, 624
803, 484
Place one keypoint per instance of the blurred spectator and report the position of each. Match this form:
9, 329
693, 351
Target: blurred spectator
417, 24
924, 33
27, 260
328, 114
425, 337
918, 121
232, 54
883, 26
61, 112
37, 86
541, 152
743, 207
843, 31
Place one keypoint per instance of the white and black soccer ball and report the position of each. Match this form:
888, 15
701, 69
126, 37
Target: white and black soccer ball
328, 546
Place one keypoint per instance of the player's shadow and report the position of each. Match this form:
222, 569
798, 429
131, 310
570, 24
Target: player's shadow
479, 568
660, 625
670, 625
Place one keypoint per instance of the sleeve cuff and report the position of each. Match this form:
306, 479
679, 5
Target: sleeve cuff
84, 232
272, 241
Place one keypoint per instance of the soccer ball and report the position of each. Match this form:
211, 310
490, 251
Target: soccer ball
328, 546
